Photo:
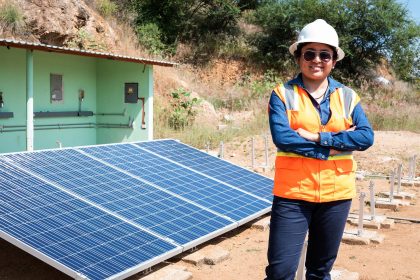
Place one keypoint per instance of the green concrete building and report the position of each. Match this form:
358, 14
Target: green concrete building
53, 97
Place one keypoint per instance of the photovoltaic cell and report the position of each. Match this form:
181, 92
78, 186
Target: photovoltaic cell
212, 166
124, 195
203, 190
74, 234
112, 210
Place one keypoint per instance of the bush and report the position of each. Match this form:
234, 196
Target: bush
11, 16
182, 112
150, 36
106, 8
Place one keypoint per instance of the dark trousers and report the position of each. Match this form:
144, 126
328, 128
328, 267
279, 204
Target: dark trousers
290, 222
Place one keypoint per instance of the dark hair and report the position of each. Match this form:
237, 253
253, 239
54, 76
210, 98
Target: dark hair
298, 51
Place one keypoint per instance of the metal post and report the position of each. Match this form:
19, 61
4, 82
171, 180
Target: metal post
208, 147
222, 150
391, 187
300, 275
29, 100
411, 170
361, 205
399, 174
252, 152
266, 150
372, 200
60, 145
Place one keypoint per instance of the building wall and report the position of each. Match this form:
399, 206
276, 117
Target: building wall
13, 86
78, 73
111, 79
103, 84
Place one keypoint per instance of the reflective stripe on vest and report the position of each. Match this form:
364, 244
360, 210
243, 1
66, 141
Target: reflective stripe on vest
343, 155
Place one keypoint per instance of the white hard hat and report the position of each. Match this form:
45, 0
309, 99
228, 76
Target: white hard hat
318, 31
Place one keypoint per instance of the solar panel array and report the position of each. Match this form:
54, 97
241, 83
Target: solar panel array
110, 211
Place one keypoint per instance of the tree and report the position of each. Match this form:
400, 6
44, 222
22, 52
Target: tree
187, 20
369, 30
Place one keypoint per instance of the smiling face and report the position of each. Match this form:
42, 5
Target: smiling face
316, 69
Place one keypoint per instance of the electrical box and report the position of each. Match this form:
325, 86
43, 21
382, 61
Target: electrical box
131, 92
56, 87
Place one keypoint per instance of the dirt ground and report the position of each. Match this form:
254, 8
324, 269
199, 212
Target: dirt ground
397, 258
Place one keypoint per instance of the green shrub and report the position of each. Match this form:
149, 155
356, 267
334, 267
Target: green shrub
182, 112
261, 89
11, 16
106, 8
150, 37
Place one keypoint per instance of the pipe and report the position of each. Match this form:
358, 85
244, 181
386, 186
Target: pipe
29, 100
63, 125
413, 220
71, 126
111, 114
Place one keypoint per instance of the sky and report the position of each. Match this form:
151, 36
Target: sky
413, 7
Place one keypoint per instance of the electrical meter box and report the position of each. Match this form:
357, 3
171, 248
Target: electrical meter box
131, 92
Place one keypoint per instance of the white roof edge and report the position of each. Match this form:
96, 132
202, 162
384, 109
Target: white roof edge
92, 53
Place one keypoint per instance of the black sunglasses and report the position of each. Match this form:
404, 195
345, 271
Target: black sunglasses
323, 55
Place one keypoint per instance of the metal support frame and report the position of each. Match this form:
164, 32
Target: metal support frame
252, 152
300, 274
391, 186
222, 150
399, 172
361, 206
372, 200
266, 150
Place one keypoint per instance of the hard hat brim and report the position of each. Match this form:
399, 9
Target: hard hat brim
293, 48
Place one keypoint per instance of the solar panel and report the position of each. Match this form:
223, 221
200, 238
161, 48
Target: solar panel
149, 206
109, 211
212, 166
69, 233
184, 182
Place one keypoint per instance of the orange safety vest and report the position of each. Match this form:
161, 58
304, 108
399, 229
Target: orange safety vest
309, 179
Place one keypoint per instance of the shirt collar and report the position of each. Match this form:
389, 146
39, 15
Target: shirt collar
332, 84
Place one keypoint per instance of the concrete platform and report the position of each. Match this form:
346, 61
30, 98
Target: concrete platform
196, 258
343, 274
411, 183
210, 255
388, 223
385, 203
400, 195
171, 272
351, 237
368, 222
262, 225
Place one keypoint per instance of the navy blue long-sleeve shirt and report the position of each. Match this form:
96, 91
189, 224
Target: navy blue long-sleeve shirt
288, 140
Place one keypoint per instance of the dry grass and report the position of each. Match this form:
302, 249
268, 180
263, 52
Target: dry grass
394, 107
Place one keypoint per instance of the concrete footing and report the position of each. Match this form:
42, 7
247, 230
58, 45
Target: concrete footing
376, 223
343, 274
411, 183
352, 237
262, 225
386, 203
400, 195
210, 255
172, 272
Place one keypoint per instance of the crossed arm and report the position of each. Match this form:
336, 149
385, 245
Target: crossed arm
318, 145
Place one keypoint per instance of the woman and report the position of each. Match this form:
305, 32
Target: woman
316, 122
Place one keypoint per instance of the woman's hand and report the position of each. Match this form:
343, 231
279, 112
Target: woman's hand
308, 135
334, 152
